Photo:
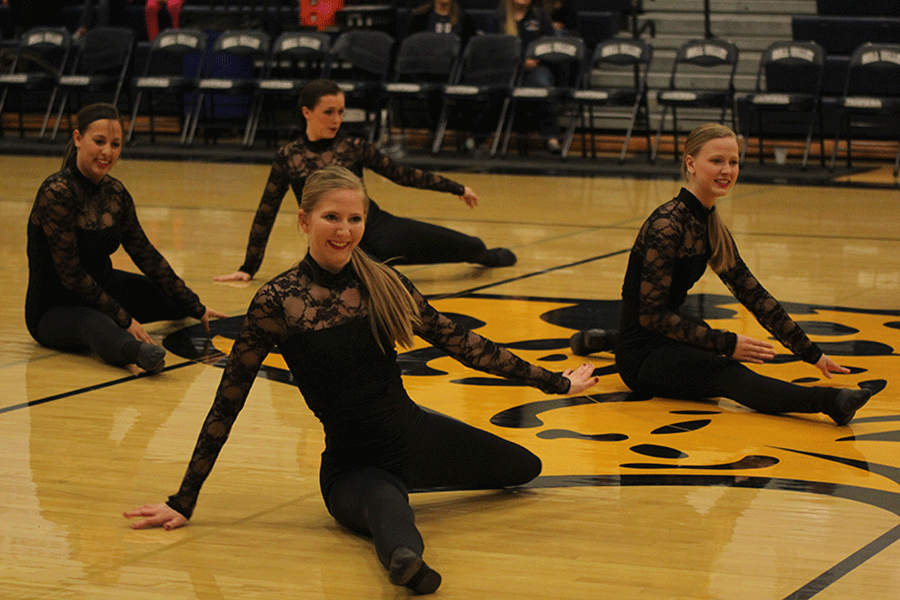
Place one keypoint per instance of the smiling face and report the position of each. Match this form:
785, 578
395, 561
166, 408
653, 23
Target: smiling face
713, 170
99, 147
324, 120
335, 226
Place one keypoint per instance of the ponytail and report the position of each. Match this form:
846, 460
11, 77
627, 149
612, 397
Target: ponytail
722, 245
392, 311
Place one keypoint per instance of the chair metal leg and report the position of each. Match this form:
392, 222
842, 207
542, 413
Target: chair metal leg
134, 112
570, 130
662, 122
503, 113
62, 107
628, 130
441, 128
812, 118
837, 139
47, 114
507, 127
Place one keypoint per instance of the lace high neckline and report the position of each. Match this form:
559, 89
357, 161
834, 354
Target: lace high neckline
344, 278
693, 203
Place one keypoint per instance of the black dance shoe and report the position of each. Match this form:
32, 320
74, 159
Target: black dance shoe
409, 570
846, 403
497, 257
589, 341
151, 358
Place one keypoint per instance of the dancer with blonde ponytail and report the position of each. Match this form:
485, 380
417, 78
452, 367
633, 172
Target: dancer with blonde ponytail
336, 317
661, 352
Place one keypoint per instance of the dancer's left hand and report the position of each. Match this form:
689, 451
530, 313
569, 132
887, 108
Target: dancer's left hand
211, 313
580, 378
828, 366
469, 197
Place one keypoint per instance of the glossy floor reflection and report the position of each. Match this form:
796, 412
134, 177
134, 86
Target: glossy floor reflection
639, 498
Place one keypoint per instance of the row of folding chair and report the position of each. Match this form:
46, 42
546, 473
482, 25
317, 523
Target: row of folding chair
790, 78
446, 85
48, 62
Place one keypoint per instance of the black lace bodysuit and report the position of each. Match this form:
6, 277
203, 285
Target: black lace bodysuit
298, 159
319, 321
74, 228
669, 256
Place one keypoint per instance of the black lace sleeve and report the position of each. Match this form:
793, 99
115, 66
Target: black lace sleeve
768, 311
55, 211
151, 262
263, 327
276, 189
480, 353
403, 175
666, 236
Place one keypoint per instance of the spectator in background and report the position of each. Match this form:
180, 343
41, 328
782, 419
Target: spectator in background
443, 16
562, 13
151, 15
529, 21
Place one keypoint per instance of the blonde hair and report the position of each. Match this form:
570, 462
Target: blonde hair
510, 26
720, 240
392, 311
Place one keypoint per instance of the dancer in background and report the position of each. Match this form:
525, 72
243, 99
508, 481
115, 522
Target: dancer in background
76, 300
387, 237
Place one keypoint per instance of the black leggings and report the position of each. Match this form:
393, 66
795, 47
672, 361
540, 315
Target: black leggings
410, 242
445, 453
683, 372
74, 328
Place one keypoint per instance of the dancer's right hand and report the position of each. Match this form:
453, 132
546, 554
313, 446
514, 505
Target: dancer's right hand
580, 378
751, 350
236, 276
157, 515
137, 330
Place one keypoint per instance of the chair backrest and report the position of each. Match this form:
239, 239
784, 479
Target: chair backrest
300, 55
249, 42
565, 53
362, 54
105, 51
791, 68
427, 56
490, 59
43, 50
171, 47
874, 70
713, 56
238, 53
620, 59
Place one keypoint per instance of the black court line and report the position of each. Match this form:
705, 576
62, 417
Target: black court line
90, 388
847, 565
527, 275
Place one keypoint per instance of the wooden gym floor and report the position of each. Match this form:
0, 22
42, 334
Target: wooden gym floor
638, 500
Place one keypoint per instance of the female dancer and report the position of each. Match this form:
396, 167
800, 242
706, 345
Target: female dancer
663, 353
75, 299
336, 318
403, 241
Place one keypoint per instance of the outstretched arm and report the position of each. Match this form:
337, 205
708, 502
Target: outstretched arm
485, 355
263, 221
262, 327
